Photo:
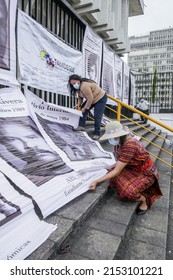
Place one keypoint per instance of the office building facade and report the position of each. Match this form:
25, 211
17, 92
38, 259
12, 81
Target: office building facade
150, 52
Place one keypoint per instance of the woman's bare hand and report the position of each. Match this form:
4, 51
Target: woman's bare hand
93, 186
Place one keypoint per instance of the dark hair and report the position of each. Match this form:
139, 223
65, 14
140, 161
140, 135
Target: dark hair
122, 139
78, 78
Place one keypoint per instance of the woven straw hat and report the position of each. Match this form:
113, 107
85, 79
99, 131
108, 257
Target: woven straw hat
114, 129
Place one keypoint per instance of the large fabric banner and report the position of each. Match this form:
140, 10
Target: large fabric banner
108, 72
47, 159
118, 77
125, 83
8, 42
132, 90
45, 62
21, 231
92, 55
77, 149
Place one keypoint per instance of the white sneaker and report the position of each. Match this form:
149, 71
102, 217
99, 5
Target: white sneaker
79, 128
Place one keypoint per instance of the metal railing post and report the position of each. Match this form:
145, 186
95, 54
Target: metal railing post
119, 112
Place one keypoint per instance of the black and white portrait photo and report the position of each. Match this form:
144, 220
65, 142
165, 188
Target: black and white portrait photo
126, 87
91, 65
107, 79
28, 152
75, 145
118, 85
8, 210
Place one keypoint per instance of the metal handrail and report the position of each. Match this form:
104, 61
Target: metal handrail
120, 104
145, 129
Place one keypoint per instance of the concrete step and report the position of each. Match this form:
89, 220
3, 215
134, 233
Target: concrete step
101, 235
86, 222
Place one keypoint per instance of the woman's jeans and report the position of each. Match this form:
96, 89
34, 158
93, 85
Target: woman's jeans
99, 108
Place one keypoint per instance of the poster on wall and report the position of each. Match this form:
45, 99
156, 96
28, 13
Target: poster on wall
125, 83
118, 76
18, 239
108, 73
45, 62
92, 55
8, 42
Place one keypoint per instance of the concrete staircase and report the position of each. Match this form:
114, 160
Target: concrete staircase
98, 225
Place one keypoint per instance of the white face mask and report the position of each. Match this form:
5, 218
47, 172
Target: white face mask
113, 142
76, 86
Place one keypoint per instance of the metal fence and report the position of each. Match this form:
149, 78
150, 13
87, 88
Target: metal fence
164, 91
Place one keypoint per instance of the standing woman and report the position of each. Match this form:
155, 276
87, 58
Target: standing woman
134, 175
95, 97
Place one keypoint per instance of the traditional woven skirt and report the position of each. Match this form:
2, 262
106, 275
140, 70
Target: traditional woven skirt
131, 184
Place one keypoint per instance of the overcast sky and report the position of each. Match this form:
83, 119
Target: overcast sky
158, 14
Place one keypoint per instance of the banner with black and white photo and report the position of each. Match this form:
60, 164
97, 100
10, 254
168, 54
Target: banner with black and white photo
8, 42
57, 125
45, 62
108, 73
18, 239
52, 171
92, 55
132, 90
118, 77
125, 83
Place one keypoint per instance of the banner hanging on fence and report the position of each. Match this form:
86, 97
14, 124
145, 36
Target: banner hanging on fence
8, 42
45, 62
132, 90
92, 55
118, 77
125, 83
108, 73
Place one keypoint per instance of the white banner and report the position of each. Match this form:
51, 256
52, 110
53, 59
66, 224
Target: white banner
125, 83
44, 167
21, 231
45, 62
108, 73
92, 55
118, 77
8, 42
132, 90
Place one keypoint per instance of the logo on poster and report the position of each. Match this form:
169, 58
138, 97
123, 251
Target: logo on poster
53, 62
